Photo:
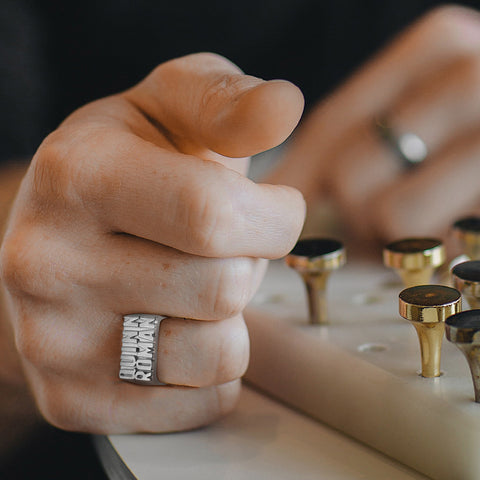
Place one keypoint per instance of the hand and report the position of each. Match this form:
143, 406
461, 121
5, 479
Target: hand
134, 206
426, 82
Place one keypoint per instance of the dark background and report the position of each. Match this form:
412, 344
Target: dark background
57, 55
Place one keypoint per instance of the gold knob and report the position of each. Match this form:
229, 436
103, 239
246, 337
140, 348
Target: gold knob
466, 277
314, 259
427, 307
467, 231
415, 259
463, 329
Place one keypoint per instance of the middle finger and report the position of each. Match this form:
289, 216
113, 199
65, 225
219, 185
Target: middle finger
130, 274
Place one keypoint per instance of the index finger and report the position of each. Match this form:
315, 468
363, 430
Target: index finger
193, 205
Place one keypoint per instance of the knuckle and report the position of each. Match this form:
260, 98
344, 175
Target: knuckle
61, 169
175, 68
25, 342
71, 408
209, 217
48, 165
23, 271
51, 392
233, 287
49, 405
444, 14
65, 404
448, 22
58, 407
221, 88
163, 70
15, 264
8, 263
441, 17
36, 345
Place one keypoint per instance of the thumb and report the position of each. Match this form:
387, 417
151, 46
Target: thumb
205, 100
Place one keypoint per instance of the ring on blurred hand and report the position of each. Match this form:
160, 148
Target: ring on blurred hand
408, 147
138, 360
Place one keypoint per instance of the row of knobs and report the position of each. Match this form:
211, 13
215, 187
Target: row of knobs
432, 309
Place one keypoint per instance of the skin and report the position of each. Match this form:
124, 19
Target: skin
18, 413
427, 82
136, 204
139, 203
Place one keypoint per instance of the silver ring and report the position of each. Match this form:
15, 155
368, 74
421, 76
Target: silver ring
138, 360
408, 147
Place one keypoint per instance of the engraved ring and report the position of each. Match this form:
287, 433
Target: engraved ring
138, 360
408, 147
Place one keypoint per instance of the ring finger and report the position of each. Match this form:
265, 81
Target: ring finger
188, 352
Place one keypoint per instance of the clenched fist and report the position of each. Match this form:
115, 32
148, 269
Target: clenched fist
138, 203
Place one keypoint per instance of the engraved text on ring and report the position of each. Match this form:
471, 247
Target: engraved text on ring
136, 362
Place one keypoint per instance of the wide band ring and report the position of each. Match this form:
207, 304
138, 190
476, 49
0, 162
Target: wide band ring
138, 360
408, 147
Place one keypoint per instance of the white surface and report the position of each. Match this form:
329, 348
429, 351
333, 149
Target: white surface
261, 440
359, 374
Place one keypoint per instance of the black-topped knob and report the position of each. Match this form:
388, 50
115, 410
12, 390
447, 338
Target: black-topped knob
463, 329
314, 259
426, 307
466, 277
467, 230
415, 259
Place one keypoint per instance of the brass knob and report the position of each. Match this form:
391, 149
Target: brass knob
427, 307
466, 277
463, 329
467, 231
415, 259
314, 259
